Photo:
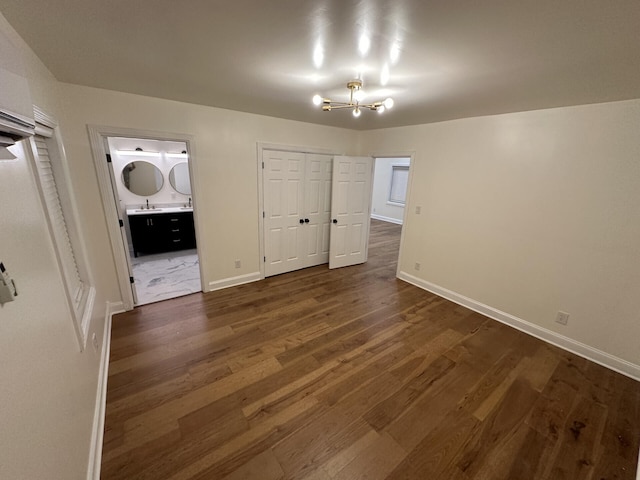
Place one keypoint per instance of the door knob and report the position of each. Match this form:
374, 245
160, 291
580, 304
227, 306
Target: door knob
335, 220
306, 220
301, 221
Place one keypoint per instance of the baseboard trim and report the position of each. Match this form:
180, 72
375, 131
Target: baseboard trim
598, 356
386, 219
97, 436
234, 281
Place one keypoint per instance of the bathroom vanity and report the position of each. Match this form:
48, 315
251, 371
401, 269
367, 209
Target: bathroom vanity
158, 230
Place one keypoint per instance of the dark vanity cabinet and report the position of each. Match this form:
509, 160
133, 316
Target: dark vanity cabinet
162, 232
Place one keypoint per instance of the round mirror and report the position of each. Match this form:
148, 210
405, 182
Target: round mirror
142, 178
179, 178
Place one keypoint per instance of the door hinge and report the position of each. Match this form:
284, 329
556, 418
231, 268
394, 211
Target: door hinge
131, 280
108, 158
264, 259
121, 222
263, 165
263, 215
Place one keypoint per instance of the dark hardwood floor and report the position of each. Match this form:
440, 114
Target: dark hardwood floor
352, 374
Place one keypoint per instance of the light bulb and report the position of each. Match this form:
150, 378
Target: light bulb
381, 109
358, 95
317, 99
388, 103
356, 112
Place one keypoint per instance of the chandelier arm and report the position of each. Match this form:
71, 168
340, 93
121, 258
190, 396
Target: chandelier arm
338, 106
353, 86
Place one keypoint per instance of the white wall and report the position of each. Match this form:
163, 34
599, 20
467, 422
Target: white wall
381, 208
531, 213
223, 158
48, 387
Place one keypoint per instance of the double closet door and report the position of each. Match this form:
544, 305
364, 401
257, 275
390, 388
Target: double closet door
297, 210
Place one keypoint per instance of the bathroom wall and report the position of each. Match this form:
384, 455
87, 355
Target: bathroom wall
166, 195
158, 178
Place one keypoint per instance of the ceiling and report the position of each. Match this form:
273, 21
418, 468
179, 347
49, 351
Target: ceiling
438, 59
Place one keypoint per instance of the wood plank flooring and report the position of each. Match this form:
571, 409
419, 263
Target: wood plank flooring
352, 374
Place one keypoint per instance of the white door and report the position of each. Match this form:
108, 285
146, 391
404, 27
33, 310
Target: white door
317, 209
350, 205
283, 211
121, 220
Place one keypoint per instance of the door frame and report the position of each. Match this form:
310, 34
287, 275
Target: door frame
411, 154
260, 148
97, 139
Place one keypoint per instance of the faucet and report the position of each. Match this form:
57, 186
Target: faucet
189, 201
147, 204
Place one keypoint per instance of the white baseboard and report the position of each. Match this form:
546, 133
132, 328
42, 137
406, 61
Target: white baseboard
598, 356
95, 453
386, 219
234, 281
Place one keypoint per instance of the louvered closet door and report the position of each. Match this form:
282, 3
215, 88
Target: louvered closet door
58, 226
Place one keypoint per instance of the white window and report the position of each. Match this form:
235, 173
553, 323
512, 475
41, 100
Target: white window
399, 182
57, 198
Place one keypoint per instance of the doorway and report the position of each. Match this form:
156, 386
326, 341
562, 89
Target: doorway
153, 191
390, 187
145, 185
391, 190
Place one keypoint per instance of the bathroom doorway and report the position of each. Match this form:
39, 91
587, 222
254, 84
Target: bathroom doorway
152, 190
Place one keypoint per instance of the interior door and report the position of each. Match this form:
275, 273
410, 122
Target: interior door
317, 207
123, 233
283, 211
350, 210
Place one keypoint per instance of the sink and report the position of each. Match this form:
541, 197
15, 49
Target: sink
140, 211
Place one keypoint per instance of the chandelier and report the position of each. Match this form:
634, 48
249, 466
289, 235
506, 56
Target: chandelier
355, 96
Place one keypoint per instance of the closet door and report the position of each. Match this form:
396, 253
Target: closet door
283, 211
317, 207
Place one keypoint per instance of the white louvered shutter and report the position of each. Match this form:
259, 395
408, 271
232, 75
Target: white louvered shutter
59, 226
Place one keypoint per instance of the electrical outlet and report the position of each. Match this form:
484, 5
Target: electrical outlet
418, 209
562, 318
94, 342
416, 266
238, 264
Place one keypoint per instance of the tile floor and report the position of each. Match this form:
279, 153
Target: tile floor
166, 275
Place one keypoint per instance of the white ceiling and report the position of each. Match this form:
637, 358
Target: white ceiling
445, 58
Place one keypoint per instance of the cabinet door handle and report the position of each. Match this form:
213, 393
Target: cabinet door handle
175, 219
306, 220
335, 220
151, 220
176, 230
175, 241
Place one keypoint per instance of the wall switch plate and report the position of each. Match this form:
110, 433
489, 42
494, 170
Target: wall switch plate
418, 209
238, 264
562, 318
416, 266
